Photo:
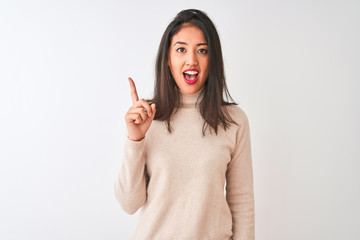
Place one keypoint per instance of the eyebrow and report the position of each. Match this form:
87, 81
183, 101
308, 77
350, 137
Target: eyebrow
199, 44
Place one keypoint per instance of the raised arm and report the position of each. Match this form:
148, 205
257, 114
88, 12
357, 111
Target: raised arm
130, 185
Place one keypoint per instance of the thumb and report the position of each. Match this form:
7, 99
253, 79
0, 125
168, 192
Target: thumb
153, 108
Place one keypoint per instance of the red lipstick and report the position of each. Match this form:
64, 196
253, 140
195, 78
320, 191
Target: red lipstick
191, 75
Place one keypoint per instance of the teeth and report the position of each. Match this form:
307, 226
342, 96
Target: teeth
191, 72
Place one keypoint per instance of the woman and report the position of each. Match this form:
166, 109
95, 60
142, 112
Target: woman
183, 144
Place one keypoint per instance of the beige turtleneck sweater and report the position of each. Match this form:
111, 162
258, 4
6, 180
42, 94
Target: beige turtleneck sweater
185, 198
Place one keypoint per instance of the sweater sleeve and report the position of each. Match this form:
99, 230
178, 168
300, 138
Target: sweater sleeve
130, 185
239, 184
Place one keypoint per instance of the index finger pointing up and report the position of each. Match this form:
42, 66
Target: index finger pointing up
133, 91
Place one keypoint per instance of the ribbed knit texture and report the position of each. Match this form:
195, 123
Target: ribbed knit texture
185, 197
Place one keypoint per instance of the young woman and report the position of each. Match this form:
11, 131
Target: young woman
183, 144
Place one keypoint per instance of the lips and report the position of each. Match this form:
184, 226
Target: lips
191, 75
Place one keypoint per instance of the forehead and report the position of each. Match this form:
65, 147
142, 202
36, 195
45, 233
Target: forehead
189, 33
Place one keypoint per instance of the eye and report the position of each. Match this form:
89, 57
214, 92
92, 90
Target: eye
180, 50
203, 51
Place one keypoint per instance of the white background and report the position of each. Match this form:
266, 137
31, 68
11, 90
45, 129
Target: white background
293, 67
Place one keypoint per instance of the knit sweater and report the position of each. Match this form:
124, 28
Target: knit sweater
178, 179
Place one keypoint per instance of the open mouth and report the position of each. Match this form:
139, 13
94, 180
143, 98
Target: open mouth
191, 76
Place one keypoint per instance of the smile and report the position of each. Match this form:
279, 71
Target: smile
191, 76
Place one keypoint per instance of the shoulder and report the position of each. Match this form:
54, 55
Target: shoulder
237, 114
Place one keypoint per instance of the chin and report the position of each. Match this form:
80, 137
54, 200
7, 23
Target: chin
190, 89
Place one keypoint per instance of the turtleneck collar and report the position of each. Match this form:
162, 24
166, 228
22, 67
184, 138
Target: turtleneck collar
190, 100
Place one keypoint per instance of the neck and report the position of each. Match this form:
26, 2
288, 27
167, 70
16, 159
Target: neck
190, 100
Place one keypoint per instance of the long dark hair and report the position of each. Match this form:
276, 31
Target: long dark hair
166, 92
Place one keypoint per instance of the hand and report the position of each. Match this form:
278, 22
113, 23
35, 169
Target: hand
139, 116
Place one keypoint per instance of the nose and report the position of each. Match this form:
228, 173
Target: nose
191, 59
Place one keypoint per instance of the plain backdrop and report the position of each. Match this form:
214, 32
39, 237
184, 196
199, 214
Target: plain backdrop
292, 66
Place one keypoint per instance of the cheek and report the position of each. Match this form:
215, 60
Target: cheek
205, 67
205, 61
176, 66
175, 70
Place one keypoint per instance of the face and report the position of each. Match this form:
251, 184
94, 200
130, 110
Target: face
188, 58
